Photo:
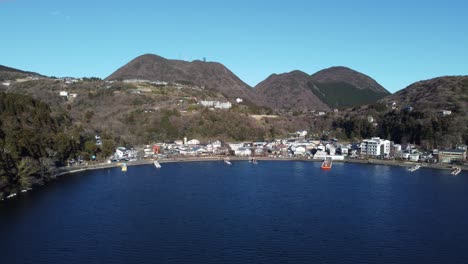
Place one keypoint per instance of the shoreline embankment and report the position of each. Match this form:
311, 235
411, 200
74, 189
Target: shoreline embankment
98, 166
68, 170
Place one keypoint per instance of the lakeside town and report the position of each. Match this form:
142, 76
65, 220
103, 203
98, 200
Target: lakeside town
299, 147
234, 132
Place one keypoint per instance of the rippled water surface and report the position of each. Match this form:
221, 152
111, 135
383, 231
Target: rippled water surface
273, 212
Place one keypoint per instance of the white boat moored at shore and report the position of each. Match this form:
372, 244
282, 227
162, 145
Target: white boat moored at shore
11, 195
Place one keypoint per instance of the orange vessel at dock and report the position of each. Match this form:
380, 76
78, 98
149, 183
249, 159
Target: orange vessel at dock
327, 164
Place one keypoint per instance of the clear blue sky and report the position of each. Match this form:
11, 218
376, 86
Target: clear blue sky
395, 42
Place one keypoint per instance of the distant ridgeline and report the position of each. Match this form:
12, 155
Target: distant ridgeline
31, 143
7, 73
335, 87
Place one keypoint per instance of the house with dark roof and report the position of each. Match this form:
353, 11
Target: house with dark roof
452, 155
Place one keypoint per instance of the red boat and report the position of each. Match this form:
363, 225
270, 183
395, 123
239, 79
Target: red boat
327, 163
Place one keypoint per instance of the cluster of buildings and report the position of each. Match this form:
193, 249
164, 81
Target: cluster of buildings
298, 147
70, 80
294, 147
381, 148
319, 113
219, 104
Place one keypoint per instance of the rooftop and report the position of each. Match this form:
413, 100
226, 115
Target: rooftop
460, 151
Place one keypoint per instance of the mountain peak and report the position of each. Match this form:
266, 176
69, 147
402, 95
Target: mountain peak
297, 73
150, 56
342, 74
289, 91
211, 75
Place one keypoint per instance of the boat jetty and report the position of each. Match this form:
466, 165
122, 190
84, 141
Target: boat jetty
456, 171
414, 168
123, 167
156, 164
253, 160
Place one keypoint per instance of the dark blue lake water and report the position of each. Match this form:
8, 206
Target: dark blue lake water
273, 212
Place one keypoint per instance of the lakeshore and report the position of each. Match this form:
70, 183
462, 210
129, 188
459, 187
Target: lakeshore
67, 170
63, 171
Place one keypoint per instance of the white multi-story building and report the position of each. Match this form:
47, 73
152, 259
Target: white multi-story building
120, 153
242, 152
216, 104
375, 147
